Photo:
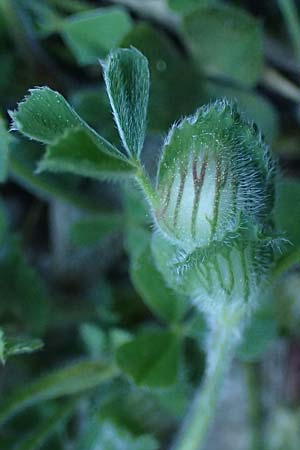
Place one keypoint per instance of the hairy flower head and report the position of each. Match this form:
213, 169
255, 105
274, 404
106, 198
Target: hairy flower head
215, 174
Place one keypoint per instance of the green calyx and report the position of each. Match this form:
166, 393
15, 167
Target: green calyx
222, 274
215, 173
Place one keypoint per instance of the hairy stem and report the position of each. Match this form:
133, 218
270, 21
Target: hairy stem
224, 338
147, 186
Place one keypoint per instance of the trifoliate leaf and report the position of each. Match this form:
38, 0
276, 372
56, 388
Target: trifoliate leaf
45, 116
73, 146
126, 75
91, 35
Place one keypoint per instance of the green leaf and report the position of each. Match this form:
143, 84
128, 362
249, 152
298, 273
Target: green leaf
47, 18
5, 140
21, 345
176, 85
94, 230
78, 152
39, 436
91, 35
151, 358
67, 381
126, 75
151, 286
225, 41
46, 116
287, 210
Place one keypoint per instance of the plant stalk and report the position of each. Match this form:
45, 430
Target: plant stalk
147, 186
221, 346
281, 85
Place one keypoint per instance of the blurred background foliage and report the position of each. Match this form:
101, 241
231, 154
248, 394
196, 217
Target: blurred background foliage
115, 353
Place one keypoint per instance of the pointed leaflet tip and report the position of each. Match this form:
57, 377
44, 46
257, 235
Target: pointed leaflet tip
126, 75
102, 62
45, 115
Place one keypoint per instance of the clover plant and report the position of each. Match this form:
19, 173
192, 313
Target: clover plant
149, 236
211, 203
